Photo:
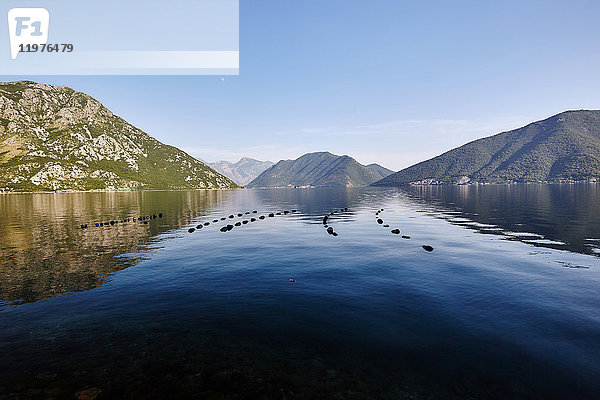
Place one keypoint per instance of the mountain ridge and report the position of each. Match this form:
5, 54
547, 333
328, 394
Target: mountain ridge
319, 169
243, 171
54, 138
563, 147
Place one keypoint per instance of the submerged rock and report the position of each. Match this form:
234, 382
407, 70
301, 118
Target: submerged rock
395, 231
427, 248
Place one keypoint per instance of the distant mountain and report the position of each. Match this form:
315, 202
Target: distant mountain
321, 169
565, 147
54, 138
243, 171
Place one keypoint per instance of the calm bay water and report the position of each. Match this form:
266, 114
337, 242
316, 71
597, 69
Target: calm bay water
506, 305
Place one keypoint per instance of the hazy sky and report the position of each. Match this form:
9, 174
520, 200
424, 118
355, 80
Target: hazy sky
392, 82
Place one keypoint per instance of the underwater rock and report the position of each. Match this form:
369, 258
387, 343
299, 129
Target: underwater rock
405, 237
427, 248
191, 230
395, 231
379, 221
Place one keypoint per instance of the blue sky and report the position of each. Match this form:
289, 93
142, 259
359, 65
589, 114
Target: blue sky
392, 82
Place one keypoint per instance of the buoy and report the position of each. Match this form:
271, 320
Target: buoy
286, 212
133, 219
153, 216
159, 215
206, 223
386, 226
254, 212
191, 230
346, 209
229, 227
223, 219
245, 221
294, 210
231, 216
271, 215
381, 209
325, 220
215, 220
198, 226
278, 213
238, 224
427, 248
261, 217
247, 212
396, 231
224, 229
334, 234
252, 219
82, 226
379, 221
405, 237
146, 222
112, 223
292, 280
97, 224
240, 214
330, 230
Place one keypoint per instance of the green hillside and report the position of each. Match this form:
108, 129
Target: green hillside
55, 138
565, 147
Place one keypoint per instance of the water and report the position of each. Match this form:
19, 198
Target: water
505, 306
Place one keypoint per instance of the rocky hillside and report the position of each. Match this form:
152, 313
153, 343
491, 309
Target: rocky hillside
243, 171
55, 138
565, 147
321, 169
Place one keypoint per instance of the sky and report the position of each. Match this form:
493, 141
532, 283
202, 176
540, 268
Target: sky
388, 81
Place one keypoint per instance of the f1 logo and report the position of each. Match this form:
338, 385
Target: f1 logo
27, 26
